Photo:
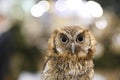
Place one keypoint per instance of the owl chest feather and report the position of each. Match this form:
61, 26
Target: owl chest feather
62, 68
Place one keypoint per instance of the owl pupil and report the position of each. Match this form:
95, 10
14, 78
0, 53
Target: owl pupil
80, 38
64, 39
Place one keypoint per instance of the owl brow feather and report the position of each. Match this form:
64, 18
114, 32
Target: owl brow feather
66, 34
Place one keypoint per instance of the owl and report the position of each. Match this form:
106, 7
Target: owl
69, 55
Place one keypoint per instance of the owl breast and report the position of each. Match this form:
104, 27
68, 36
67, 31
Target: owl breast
59, 68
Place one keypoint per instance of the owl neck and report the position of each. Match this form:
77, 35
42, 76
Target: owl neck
70, 57
70, 66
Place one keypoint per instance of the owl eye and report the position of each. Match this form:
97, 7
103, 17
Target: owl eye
64, 39
80, 38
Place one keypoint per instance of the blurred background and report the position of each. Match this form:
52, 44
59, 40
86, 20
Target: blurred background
25, 26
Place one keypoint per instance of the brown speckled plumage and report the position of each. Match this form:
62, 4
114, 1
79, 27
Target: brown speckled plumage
62, 63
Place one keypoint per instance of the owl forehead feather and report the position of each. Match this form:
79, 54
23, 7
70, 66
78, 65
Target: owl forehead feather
73, 29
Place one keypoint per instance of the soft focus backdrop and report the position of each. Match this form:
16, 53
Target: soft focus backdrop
25, 26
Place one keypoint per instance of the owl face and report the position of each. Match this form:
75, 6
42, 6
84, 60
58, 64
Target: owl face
72, 40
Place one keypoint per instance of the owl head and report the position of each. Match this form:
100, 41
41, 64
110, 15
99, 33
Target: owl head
72, 41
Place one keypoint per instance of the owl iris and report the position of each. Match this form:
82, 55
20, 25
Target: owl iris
64, 39
80, 38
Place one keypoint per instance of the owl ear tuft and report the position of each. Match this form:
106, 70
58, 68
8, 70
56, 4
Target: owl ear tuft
51, 42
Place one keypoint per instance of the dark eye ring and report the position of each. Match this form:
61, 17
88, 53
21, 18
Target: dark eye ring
80, 38
64, 39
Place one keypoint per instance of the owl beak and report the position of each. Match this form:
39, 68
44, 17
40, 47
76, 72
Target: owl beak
73, 48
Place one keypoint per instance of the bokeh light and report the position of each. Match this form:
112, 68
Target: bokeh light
73, 5
45, 5
60, 5
37, 10
85, 9
40, 8
101, 24
94, 8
